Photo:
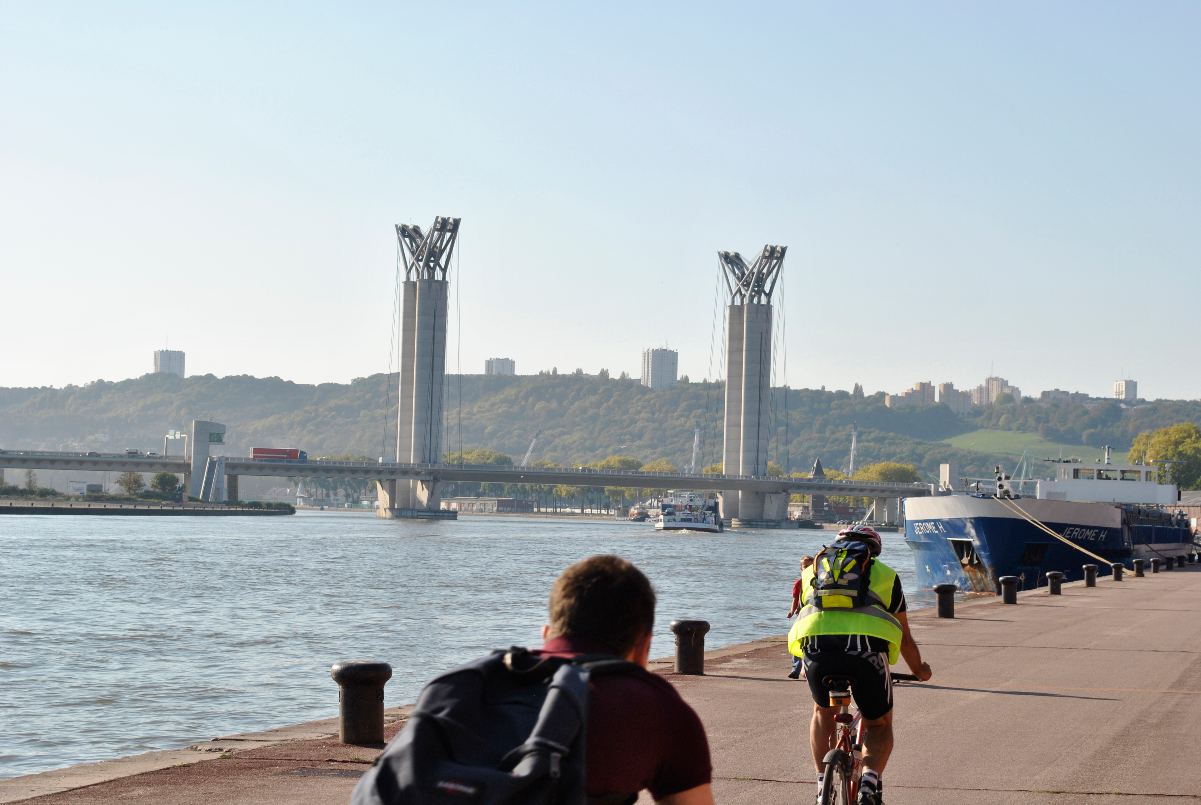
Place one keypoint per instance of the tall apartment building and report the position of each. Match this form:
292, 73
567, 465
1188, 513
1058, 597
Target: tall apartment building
169, 361
1058, 397
1125, 390
958, 401
992, 387
500, 366
920, 394
659, 368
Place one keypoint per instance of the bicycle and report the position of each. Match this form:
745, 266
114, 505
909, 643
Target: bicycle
844, 762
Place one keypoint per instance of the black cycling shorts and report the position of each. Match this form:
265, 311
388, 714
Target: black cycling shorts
871, 684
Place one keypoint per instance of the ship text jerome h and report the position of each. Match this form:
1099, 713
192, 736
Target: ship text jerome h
1089, 513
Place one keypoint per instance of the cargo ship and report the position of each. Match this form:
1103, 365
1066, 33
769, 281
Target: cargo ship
1115, 513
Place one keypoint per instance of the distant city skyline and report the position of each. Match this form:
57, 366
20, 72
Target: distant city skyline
964, 191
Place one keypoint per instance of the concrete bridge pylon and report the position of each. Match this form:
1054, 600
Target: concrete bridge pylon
423, 311
748, 379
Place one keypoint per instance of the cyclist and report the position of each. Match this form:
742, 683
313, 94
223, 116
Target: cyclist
859, 640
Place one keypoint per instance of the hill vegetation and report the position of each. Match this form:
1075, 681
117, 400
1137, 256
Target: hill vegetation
581, 420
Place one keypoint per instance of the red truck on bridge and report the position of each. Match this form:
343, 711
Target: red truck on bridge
278, 454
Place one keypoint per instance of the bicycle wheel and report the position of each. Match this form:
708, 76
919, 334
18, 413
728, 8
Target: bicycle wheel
836, 785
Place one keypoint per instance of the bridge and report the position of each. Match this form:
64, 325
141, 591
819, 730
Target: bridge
409, 486
388, 472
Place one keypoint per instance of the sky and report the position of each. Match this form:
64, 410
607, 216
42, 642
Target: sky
963, 188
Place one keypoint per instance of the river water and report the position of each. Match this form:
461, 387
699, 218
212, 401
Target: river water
121, 635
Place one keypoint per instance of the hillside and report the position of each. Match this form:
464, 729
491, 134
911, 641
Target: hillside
582, 419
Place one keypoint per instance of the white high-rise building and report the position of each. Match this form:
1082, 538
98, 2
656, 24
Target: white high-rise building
659, 368
500, 366
1125, 390
169, 361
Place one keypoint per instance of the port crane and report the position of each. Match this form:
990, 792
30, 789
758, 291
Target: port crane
525, 462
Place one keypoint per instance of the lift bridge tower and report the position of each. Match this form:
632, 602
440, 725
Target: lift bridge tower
423, 309
748, 379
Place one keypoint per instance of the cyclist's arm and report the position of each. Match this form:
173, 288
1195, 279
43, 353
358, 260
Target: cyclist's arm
909, 649
701, 795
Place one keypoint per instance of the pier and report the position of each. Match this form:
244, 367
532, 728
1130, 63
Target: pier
1078, 698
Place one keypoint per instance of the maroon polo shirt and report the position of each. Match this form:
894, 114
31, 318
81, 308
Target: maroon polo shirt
641, 734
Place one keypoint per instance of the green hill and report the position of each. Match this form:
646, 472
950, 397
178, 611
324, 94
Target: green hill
581, 418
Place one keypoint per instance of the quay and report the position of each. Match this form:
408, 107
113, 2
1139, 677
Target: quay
71, 507
1092, 696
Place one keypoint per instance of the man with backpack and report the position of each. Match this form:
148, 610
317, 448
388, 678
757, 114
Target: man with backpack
580, 722
853, 625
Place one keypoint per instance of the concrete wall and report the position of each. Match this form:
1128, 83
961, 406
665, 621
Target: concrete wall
203, 444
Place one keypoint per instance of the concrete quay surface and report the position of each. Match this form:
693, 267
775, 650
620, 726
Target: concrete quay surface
1089, 697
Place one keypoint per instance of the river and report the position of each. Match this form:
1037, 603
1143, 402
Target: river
120, 635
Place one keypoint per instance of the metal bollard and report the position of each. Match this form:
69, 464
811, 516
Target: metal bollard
1139, 564
946, 599
1155, 565
1180, 560
1118, 567
361, 700
1167, 563
1090, 575
1192, 558
1055, 581
1009, 589
690, 646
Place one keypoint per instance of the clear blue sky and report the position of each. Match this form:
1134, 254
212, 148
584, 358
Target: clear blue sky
960, 185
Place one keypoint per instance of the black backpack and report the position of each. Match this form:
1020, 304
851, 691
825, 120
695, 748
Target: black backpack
506, 729
842, 575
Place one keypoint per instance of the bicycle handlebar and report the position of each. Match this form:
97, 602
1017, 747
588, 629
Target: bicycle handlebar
905, 678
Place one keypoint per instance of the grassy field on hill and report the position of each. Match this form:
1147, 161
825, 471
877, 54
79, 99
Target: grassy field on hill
1013, 443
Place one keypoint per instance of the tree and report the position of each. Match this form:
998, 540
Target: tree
617, 463
1180, 442
887, 471
132, 482
1004, 398
774, 470
165, 483
659, 466
479, 456
31, 482
857, 392
713, 469
603, 374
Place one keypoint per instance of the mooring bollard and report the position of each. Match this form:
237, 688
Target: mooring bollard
946, 599
690, 646
1090, 575
1055, 581
1009, 589
1138, 567
1118, 567
1192, 558
361, 700
1155, 565
1167, 563
1180, 560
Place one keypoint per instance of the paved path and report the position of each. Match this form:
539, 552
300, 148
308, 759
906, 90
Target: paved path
1092, 697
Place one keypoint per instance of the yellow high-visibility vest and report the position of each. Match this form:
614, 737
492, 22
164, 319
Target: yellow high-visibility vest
872, 620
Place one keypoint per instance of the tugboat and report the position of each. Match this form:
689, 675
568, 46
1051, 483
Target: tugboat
1088, 514
688, 511
639, 513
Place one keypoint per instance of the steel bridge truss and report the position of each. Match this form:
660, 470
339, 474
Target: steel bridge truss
427, 255
752, 284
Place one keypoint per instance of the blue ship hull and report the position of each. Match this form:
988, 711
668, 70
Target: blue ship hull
972, 541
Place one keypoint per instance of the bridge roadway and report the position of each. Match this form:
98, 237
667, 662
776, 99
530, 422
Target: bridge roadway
550, 476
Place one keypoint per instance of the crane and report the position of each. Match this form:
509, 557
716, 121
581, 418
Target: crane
525, 462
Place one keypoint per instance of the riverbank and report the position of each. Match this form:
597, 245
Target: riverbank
71, 507
1059, 699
